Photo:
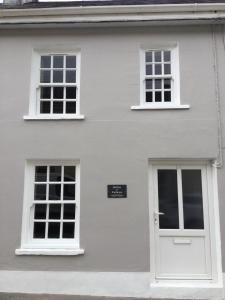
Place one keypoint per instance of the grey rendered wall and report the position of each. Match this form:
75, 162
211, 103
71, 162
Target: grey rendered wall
113, 143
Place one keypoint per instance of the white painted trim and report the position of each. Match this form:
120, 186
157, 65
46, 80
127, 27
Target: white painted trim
158, 107
53, 117
122, 13
65, 252
104, 284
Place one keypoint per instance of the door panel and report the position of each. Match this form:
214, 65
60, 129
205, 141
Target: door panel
181, 223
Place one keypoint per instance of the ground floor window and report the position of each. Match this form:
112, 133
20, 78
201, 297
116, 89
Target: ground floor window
51, 205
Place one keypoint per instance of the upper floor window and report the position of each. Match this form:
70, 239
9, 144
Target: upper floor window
55, 89
160, 86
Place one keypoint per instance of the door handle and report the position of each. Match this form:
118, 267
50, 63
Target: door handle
156, 216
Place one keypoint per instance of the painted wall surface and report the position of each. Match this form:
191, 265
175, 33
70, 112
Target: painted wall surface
113, 143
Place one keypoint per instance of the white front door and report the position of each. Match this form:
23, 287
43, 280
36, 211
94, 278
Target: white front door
181, 222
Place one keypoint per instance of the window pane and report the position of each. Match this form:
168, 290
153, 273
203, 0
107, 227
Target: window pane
69, 192
55, 211
39, 230
58, 92
158, 97
167, 96
68, 230
149, 97
158, 84
192, 199
69, 211
167, 56
57, 107
41, 173
70, 76
148, 56
57, 76
45, 76
71, 107
168, 199
148, 84
45, 107
158, 56
40, 211
54, 191
149, 70
53, 230
69, 173
71, 61
158, 69
57, 61
40, 192
70, 93
55, 173
167, 84
167, 69
45, 93
45, 61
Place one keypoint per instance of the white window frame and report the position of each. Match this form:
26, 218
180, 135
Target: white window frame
175, 82
34, 113
29, 245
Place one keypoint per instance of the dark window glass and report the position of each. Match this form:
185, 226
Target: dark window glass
40, 211
70, 76
148, 84
69, 173
54, 191
69, 211
57, 61
167, 96
71, 61
46, 62
158, 97
69, 192
71, 107
148, 57
40, 192
148, 96
167, 56
192, 199
39, 230
68, 230
158, 83
70, 93
45, 107
57, 76
158, 56
53, 230
167, 69
168, 199
167, 84
158, 69
55, 211
55, 173
149, 70
45, 76
58, 92
58, 107
45, 93
41, 173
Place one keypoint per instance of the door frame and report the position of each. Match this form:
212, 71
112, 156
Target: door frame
213, 218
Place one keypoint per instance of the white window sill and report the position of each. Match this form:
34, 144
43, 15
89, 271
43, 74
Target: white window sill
54, 117
31, 251
159, 107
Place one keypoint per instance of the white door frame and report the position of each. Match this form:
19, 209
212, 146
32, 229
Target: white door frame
214, 224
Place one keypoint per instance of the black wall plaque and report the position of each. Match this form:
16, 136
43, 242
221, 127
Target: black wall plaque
117, 191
